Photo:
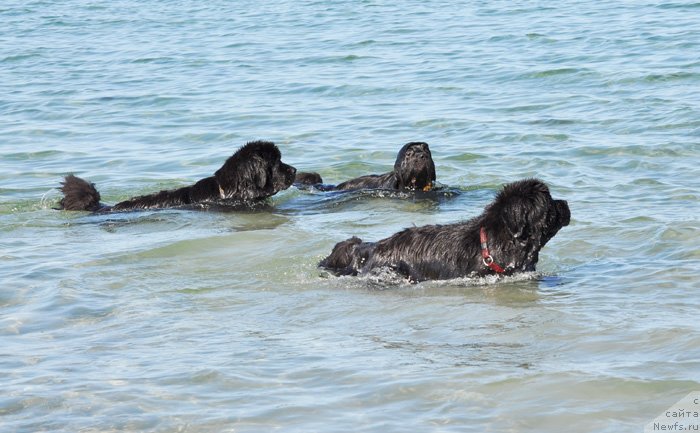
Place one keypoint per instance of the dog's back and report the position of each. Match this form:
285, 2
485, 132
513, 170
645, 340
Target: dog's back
371, 181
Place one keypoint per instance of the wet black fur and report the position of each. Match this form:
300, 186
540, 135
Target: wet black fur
253, 173
518, 223
308, 178
79, 194
414, 169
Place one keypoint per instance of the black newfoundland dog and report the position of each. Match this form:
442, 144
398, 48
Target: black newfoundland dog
253, 173
414, 170
505, 239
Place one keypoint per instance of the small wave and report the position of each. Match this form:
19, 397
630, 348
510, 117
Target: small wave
18, 58
319, 199
25, 156
488, 280
529, 138
157, 60
337, 59
555, 72
655, 78
442, 123
366, 42
385, 278
678, 6
675, 76
539, 37
465, 157
554, 122
527, 108
49, 199
343, 90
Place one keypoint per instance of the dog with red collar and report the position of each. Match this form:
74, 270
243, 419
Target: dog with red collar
505, 239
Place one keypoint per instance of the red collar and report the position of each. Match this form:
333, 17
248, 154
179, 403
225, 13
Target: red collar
486, 256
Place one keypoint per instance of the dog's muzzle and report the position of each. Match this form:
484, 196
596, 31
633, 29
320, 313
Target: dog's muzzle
290, 174
564, 212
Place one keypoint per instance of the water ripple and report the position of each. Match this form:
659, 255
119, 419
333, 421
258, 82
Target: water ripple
209, 321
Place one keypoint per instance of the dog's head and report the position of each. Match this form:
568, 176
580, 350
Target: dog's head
254, 172
308, 178
529, 213
414, 167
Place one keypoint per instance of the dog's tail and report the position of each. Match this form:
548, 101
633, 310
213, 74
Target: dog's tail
79, 194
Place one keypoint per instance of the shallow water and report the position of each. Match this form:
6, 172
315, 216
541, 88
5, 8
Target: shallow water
210, 322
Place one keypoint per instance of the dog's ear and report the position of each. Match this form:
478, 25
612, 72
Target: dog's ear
522, 207
399, 167
518, 217
401, 156
261, 168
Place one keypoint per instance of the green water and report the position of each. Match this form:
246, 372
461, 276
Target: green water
221, 322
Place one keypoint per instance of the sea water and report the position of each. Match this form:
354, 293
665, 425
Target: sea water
181, 321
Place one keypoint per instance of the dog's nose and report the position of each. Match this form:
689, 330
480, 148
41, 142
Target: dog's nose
564, 212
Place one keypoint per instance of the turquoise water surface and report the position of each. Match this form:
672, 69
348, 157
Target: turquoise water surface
177, 321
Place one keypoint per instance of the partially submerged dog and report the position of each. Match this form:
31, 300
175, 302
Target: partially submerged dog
505, 239
255, 172
414, 170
